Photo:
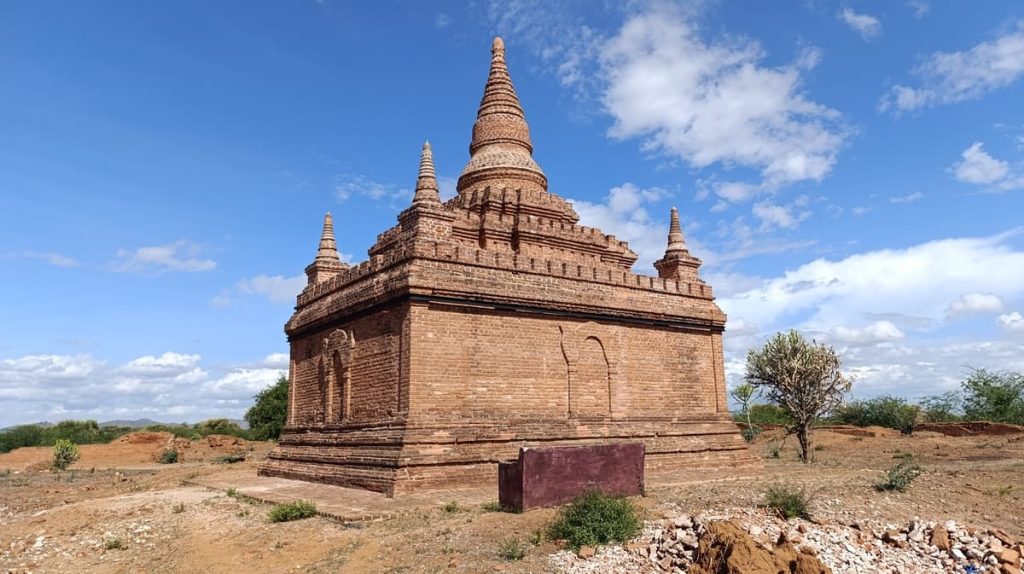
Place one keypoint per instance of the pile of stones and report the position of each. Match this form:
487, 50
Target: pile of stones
670, 547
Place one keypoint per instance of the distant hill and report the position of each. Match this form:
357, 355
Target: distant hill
135, 424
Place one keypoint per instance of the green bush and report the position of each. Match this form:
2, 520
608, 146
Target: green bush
769, 414
886, 411
65, 454
451, 507
899, 477
593, 518
229, 458
942, 408
994, 396
267, 416
78, 432
113, 544
788, 502
512, 550
169, 456
289, 511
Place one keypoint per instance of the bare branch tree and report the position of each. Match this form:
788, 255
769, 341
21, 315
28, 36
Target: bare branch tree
800, 376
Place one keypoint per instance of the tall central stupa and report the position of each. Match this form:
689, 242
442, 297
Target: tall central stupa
493, 321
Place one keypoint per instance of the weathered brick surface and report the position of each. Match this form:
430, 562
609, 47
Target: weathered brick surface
494, 321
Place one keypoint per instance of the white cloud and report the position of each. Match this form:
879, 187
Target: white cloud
917, 281
182, 255
276, 360
920, 8
975, 303
349, 185
624, 215
978, 167
888, 312
777, 216
867, 26
442, 20
873, 334
950, 77
171, 386
909, 198
276, 288
713, 102
167, 364
1013, 322
53, 258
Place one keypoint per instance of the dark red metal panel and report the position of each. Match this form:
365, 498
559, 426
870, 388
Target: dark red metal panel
551, 476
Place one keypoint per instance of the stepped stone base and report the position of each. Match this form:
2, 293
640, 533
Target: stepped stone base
404, 457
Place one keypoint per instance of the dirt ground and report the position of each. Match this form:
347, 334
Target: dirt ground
121, 512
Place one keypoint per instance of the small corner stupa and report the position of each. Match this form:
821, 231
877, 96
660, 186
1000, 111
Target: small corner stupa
493, 321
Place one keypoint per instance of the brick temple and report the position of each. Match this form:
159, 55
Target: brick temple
493, 321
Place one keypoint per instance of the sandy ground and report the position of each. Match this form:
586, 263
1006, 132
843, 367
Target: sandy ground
142, 518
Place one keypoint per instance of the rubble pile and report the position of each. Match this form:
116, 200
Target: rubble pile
918, 546
745, 540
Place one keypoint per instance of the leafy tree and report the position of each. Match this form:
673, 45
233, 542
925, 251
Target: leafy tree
994, 396
266, 418
743, 394
800, 376
942, 408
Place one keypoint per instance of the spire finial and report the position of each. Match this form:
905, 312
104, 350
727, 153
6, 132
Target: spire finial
675, 234
426, 182
500, 151
328, 250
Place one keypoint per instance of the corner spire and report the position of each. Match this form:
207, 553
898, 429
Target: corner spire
426, 182
677, 263
327, 262
328, 249
501, 150
675, 234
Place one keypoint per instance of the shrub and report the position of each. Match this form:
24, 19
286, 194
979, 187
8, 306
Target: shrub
886, 411
788, 502
942, 408
113, 544
65, 454
899, 477
229, 458
169, 456
232, 492
267, 416
511, 550
78, 432
768, 414
289, 511
178, 508
994, 396
451, 507
593, 518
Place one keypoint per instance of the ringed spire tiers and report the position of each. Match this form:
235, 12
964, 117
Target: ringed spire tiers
426, 181
501, 151
327, 262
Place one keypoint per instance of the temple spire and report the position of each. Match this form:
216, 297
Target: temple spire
500, 150
327, 262
675, 234
328, 250
426, 182
677, 263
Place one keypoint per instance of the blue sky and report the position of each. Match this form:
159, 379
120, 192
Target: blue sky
851, 169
